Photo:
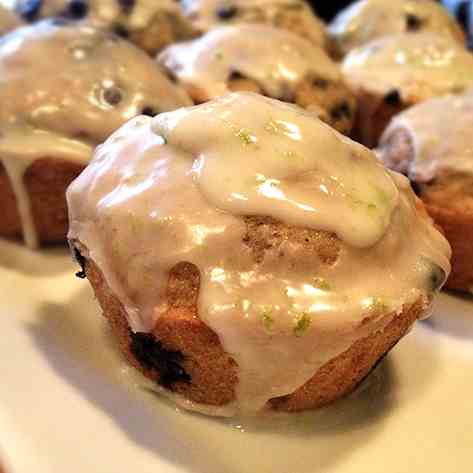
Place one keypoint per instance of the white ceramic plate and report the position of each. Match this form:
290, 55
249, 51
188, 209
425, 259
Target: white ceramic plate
69, 403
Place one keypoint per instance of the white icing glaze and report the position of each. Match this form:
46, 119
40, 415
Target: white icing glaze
54, 85
419, 67
174, 188
366, 20
207, 63
204, 15
440, 131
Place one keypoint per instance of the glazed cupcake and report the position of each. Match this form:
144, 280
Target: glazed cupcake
244, 58
293, 15
8, 20
65, 88
431, 144
393, 73
221, 241
150, 24
366, 20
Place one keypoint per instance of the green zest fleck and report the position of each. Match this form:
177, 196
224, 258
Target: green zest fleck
378, 305
275, 127
266, 317
302, 323
321, 283
219, 55
245, 137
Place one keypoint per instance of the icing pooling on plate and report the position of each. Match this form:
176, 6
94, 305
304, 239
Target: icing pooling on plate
207, 63
175, 188
419, 67
366, 20
440, 131
206, 14
64, 89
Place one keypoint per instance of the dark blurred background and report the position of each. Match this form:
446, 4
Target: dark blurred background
462, 9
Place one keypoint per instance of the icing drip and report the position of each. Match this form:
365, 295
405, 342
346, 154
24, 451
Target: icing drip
207, 63
178, 187
62, 108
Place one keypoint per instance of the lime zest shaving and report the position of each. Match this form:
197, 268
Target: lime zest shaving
302, 322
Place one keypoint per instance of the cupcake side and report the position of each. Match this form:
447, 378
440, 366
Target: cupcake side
214, 257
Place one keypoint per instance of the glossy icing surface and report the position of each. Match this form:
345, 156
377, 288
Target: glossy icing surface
206, 14
419, 67
175, 188
440, 132
208, 63
64, 89
366, 20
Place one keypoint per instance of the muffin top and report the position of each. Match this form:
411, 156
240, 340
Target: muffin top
417, 67
294, 15
8, 20
439, 132
366, 20
208, 63
132, 19
179, 188
75, 84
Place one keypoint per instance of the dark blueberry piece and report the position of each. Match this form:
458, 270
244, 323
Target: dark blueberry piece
120, 30
393, 98
150, 111
341, 111
77, 9
81, 260
151, 354
415, 187
437, 277
112, 95
413, 22
235, 75
126, 5
227, 12
29, 9
320, 83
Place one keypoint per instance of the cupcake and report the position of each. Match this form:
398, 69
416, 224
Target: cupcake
8, 20
292, 15
221, 241
244, 57
65, 88
366, 20
393, 73
150, 24
431, 144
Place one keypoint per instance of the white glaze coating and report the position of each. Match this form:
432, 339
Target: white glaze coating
366, 20
441, 134
175, 188
207, 63
54, 85
204, 15
419, 67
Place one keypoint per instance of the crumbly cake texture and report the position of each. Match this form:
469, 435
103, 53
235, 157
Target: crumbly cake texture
46, 181
333, 102
448, 201
186, 356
